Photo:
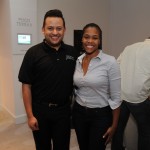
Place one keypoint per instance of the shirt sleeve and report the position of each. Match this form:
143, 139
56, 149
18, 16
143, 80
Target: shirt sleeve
26, 70
114, 85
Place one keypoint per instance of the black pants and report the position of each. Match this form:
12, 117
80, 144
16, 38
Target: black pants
141, 114
90, 125
54, 127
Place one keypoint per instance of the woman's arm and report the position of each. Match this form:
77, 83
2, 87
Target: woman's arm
115, 98
111, 130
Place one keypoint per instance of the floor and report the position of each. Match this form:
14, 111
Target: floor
19, 137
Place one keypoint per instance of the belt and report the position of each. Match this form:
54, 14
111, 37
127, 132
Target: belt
50, 104
103, 109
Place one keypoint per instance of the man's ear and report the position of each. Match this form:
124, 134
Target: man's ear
43, 30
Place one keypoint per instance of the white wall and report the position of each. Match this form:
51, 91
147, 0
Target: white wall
23, 20
6, 73
130, 23
17, 16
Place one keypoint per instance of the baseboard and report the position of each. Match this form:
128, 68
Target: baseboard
17, 119
20, 119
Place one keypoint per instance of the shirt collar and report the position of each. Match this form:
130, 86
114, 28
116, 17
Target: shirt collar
80, 58
62, 47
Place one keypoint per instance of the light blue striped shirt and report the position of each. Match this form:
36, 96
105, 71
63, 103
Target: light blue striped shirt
100, 86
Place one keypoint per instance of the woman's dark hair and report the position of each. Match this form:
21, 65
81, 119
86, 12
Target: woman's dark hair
93, 25
54, 13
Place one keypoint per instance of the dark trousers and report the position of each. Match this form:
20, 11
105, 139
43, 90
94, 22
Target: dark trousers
90, 125
141, 113
54, 127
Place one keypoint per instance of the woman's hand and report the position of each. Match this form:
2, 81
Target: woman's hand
109, 134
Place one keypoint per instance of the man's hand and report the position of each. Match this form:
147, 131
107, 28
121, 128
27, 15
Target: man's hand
33, 123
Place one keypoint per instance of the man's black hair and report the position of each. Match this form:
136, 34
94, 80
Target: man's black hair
54, 13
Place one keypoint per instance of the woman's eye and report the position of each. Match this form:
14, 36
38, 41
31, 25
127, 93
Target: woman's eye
86, 37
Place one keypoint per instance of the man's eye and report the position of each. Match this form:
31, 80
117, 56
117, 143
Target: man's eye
59, 29
50, 28
95, 38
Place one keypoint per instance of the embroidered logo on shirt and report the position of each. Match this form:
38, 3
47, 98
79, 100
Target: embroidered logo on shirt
69, 57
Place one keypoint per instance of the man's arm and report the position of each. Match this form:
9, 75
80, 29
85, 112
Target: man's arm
27, 99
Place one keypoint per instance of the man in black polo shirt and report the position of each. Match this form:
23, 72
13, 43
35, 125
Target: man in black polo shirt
46, 74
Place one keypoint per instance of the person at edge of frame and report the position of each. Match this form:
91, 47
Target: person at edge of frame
135, 92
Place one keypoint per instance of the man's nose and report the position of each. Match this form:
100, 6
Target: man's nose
55, 31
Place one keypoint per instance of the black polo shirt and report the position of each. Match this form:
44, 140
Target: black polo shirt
49, 72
